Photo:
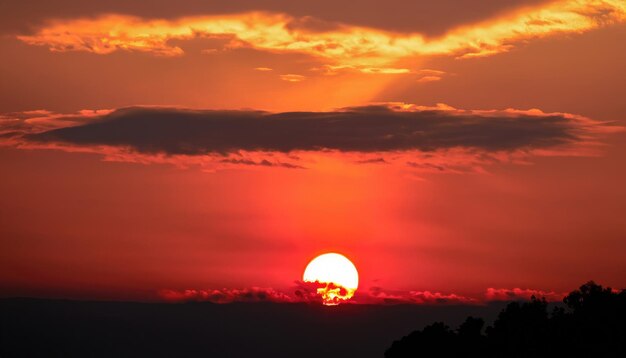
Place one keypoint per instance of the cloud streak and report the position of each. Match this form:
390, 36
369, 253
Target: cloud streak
377, 295
380, 128
339, 44
439, 139
254, 294
304, 292
513, 294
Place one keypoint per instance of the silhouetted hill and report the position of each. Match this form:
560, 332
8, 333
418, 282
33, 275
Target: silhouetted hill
63, 328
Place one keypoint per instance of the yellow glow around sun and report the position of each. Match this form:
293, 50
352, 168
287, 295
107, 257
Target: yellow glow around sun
336, 274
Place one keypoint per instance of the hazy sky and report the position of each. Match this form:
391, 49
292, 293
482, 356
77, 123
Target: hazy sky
449, 146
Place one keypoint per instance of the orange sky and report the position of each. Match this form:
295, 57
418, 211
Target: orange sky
532, 199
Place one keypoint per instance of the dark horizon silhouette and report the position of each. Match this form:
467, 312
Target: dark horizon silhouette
66, 328
591, 321
591, 324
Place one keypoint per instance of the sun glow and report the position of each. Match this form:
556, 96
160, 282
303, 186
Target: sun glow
336, 275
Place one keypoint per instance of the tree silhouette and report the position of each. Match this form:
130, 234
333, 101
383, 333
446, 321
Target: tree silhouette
471, 341
597, 323
435, 339
521, 330
592, 324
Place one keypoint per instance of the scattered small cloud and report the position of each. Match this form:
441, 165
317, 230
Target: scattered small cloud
430, 75
377, 295
379, 160
431, 72
331, 70
263, 162
263, 69
292, 78
429, 79
384, 70
226, 295
515, 294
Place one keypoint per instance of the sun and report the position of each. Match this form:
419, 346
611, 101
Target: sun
335, 274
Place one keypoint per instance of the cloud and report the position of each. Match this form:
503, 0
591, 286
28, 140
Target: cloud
376, 295
375, 160
377, 128
15, 124
339, 44
431, 72
429, 79
427, 139
331, 70
505, 294
432, 18
386, 71
225, 295
301, 292
292, 78
306, 292
264, 162
321, 292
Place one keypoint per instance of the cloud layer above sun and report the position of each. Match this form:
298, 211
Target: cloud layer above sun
335, 43
439, 138
358, 129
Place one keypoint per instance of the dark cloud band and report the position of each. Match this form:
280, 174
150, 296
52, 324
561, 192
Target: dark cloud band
359, 129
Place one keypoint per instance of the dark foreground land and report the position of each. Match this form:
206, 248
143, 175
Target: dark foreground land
62, 328
591, 322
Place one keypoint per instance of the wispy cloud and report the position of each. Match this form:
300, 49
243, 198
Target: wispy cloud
16, 124
377, 295
338, 69
254, 294
385, 70
514, 294
292, 78
339, 44
426, 79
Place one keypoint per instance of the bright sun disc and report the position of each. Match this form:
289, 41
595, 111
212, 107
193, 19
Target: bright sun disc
336, 274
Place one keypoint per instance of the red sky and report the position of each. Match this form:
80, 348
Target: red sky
448, 148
